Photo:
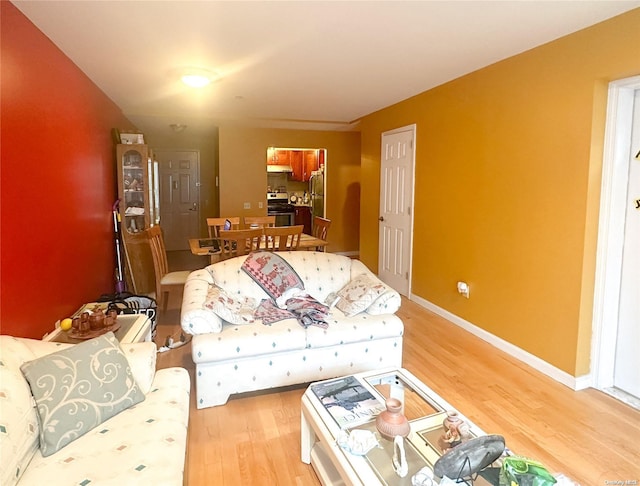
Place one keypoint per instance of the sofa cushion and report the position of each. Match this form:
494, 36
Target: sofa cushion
143, 445
321, 273
233, 309
360, 328
18, 418
236, 342
78, 388
359, 294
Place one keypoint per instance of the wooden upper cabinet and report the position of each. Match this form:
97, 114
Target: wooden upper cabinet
282, 157
297, 165
311, 163
303, 162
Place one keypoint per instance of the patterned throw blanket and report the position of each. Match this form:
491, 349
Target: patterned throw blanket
278, 279
307, 310
271, 272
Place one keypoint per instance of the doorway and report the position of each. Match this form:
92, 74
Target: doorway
179, 196
616, 363
397, 169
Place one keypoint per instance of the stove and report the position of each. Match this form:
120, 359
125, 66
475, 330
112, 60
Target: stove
278, 205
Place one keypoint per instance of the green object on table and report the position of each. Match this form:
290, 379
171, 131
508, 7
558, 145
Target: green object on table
521, 471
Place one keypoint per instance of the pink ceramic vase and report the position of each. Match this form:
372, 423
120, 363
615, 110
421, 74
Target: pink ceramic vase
392, 422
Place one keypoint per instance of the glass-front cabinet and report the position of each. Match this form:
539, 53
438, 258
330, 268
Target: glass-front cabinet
137, 187
139, 209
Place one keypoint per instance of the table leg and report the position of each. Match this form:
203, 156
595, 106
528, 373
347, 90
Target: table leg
307, 437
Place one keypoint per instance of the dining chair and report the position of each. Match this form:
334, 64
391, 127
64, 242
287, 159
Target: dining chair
216, 224
166, 282
321, 229
239, 242
282, 238
259, 221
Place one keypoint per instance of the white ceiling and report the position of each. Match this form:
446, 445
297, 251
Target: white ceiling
302, 64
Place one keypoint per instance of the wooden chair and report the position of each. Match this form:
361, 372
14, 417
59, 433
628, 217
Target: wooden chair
321, 229
283, 238
239, 242
166, 282
260, 221
216, 224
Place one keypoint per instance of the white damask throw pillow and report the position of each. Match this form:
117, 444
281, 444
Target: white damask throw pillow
78, 388
359, 294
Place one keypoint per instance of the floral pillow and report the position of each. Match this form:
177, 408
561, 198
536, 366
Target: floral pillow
359, 294
79, 388
236, 310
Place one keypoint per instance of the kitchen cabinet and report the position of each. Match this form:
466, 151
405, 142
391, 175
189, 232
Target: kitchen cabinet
138, 210
278, 157
303, 217
311, 163
297, 164
303, 162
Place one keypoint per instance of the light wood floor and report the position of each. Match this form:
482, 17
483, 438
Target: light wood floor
255, 438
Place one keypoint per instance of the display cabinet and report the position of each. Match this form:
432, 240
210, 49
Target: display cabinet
137, 181
139, 209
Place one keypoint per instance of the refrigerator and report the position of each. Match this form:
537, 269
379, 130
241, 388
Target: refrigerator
316, 192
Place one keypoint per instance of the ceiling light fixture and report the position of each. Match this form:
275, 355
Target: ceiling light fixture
178, 127
197, 78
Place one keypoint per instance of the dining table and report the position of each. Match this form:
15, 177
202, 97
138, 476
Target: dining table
208, 246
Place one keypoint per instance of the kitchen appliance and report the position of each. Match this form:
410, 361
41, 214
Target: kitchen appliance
278, 205
316, 190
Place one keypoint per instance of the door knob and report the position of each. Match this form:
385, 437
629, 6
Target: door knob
381, 218
193, 208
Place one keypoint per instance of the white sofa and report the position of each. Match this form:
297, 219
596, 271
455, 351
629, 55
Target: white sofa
144, 444
234, 358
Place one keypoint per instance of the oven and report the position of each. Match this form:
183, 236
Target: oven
278, 206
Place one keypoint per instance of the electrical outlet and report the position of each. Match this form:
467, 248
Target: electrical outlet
463, 289
247, 205
259, 204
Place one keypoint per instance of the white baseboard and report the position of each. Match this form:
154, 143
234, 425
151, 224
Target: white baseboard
575, 383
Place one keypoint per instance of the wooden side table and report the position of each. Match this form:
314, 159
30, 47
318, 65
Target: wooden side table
134, 328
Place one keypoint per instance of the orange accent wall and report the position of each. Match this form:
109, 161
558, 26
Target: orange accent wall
508, 173
58, 182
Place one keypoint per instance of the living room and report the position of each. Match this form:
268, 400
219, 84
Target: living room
508, 166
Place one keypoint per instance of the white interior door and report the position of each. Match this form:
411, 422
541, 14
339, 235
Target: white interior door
627, 359
179, 197
396, 208
615, 310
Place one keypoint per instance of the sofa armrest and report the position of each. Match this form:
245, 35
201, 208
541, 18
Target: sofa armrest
142, 360
194, 317
388, 302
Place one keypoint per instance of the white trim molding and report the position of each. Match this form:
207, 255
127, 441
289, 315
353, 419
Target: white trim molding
575, 383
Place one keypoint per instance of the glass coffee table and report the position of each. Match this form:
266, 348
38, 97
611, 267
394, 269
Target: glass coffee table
424, 409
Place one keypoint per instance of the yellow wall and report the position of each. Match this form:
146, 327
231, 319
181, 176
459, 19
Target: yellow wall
508, 163
243, 175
